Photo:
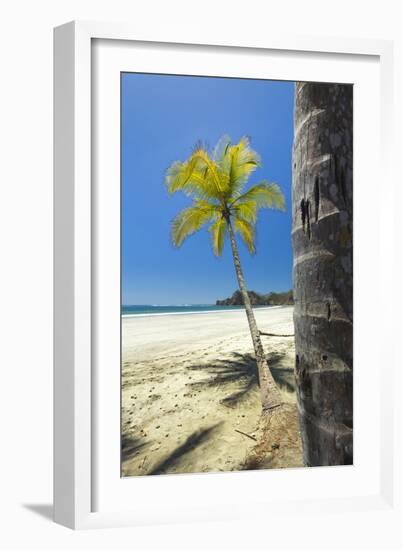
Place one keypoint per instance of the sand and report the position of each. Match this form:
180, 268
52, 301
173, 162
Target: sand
190, 400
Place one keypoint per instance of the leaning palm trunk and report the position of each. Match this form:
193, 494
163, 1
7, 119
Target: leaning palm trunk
269, 393
323, 271
216, 184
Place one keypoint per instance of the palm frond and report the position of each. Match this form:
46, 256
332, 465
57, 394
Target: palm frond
246, 210
218, 233
242, 161
247, 232
187, 177
220, 150
215, 183
264, 194
191, 219
215, 177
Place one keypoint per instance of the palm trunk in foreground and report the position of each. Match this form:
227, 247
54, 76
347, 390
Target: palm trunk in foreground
323, 270
270, 395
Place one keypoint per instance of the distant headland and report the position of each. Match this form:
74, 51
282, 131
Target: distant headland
271, 299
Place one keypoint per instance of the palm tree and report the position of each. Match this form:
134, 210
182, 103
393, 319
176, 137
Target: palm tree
322, 199
216, 185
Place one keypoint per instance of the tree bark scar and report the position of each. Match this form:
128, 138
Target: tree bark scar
316, 192
336, 168
308, 218
303, 214
343, 185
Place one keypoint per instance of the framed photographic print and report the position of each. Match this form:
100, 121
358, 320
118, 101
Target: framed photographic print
216, 250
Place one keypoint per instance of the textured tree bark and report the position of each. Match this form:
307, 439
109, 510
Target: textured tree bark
269, 393
322, 207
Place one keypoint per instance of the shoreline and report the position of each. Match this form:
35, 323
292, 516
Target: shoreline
193, 312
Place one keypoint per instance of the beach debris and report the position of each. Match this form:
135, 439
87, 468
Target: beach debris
277, 335
275, 446
157, 427
154, 397
246, 435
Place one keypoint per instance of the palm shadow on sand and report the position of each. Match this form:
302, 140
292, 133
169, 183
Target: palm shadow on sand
194, 440
242, 370
131, 446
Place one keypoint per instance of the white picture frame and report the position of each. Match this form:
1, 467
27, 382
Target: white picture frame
81, 433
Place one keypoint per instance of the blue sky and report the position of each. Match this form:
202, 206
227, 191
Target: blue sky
162, 119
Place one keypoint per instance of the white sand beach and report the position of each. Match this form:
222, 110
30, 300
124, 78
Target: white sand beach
190, 400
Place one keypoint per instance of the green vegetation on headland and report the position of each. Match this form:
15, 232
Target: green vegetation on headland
271, 299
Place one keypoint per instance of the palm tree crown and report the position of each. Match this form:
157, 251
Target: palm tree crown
216, 184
